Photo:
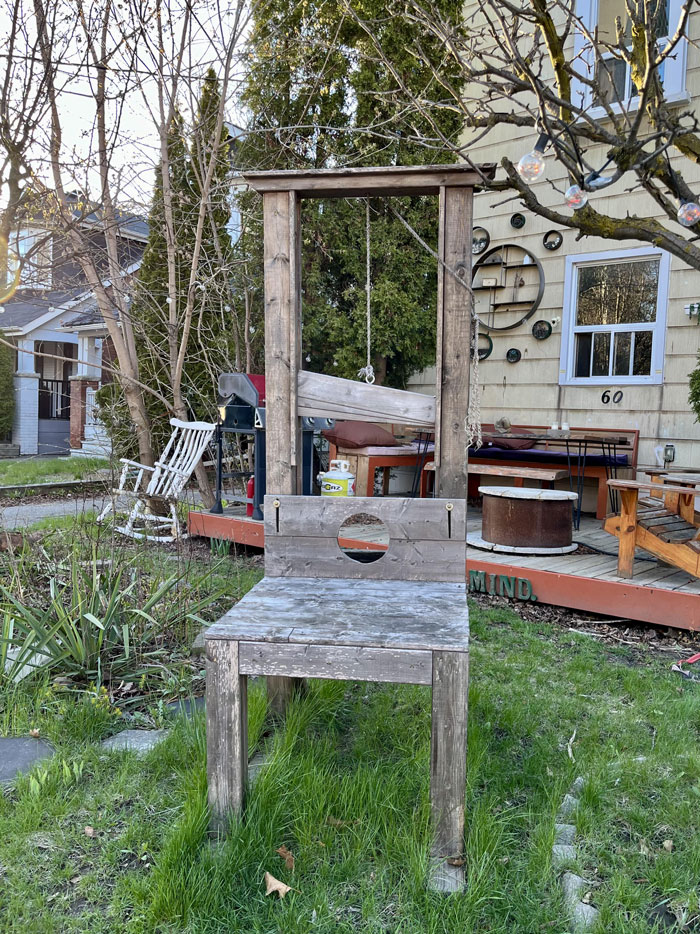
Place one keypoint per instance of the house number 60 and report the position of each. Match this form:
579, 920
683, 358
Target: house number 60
617, 397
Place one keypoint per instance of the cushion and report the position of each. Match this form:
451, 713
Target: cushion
510, 444
359, 435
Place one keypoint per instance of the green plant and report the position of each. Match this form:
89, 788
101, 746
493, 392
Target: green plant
694, 394
92, 628
7, 389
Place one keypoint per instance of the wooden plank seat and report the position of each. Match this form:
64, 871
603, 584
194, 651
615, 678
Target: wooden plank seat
664, 524
318, 613
541, 475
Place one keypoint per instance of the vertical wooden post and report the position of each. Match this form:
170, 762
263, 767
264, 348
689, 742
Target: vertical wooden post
448, 764
686, 509
227, 732
628, 533
282, 355
454, 332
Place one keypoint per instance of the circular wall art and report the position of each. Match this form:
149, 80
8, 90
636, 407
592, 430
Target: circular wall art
517, 221
480, 240
541, 330
513, 355
508, 285
485, 346
552, 240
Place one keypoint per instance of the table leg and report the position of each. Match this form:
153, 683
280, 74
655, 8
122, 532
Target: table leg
227, 732
448, 766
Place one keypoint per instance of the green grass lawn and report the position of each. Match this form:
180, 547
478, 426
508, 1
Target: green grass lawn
346, 790
45, 469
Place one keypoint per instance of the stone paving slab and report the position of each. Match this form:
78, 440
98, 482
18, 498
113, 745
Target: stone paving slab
19, 753
138, 741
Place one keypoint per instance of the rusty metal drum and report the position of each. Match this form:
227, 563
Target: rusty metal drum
529, 520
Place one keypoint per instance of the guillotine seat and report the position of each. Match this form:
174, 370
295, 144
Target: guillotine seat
318, 613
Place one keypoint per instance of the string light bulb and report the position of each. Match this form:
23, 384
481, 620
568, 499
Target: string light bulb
532, 165
688, 213
575, 197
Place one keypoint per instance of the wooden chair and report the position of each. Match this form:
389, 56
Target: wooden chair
319, 613
664, 523
161, 484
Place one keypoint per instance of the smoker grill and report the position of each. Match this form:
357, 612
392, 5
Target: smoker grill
243, 412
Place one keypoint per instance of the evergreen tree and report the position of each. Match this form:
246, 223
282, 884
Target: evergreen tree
7, 389
312, 87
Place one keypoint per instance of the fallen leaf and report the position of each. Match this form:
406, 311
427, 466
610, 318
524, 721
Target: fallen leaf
644, 849
34, 734
75, 880
668, 845
287, 856
587, 898
274, 885
455, 861
90, 831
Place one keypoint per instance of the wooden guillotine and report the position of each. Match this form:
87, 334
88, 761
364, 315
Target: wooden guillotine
401, 619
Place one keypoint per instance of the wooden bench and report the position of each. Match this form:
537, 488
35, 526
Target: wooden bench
664, 525
519, 474
537, 457
318, 613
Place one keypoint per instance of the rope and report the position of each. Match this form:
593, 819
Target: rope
473, 416
367, 370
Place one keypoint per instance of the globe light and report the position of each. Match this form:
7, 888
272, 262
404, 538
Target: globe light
575, 197
688, 213
531, 166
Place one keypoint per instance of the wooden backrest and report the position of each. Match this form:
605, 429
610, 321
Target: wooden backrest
427, 538
629, 448
180, 456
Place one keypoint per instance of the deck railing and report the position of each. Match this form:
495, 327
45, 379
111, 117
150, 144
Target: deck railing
54, 398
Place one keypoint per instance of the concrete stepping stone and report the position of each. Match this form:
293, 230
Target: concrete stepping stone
18, 754
563, 854
138, 741
564, 833
568, 806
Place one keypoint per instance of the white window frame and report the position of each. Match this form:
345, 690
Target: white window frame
569, 329
674, 67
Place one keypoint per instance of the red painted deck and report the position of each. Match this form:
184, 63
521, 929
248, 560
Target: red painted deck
588, 582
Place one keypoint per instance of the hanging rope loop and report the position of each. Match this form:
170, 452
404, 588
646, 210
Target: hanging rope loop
367, 371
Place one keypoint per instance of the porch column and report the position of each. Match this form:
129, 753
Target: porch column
87, 376
25, 430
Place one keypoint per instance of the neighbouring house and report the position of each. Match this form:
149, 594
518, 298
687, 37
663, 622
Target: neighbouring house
574, 361
61, 341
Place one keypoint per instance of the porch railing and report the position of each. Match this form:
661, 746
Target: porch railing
54, 398
91, 419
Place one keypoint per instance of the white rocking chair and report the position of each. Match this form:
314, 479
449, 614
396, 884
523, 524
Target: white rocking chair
164, 482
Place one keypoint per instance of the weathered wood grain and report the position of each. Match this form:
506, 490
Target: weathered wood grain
322, 516
628, 528
290, 555
347, 663
372, 180
454, 363
227, 732
319, 395
448, 752
381, 614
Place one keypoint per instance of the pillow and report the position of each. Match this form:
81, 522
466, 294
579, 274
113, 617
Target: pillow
359, 435
510, 444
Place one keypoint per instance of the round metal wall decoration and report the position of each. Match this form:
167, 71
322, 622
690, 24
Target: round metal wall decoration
508, 285
513, 355
480, 240
486, 347
541, 330
552, 240
517, 221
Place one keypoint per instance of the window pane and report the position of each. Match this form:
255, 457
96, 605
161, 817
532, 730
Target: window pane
621, 361
582, 365
618, 293
609, 10
611, 81
642, 353
601, 354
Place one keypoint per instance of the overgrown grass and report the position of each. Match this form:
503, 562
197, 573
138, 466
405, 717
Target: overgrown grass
346, 789
44, 469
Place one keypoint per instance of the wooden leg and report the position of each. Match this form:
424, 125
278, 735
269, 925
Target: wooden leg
227, 732
672, 502
280, 692
686, 509
364, 482
386, 480
602, 502
448, 766
628, 533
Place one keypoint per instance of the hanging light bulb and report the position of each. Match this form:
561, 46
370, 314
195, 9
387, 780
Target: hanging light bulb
688, 213
575, 197
532, 165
